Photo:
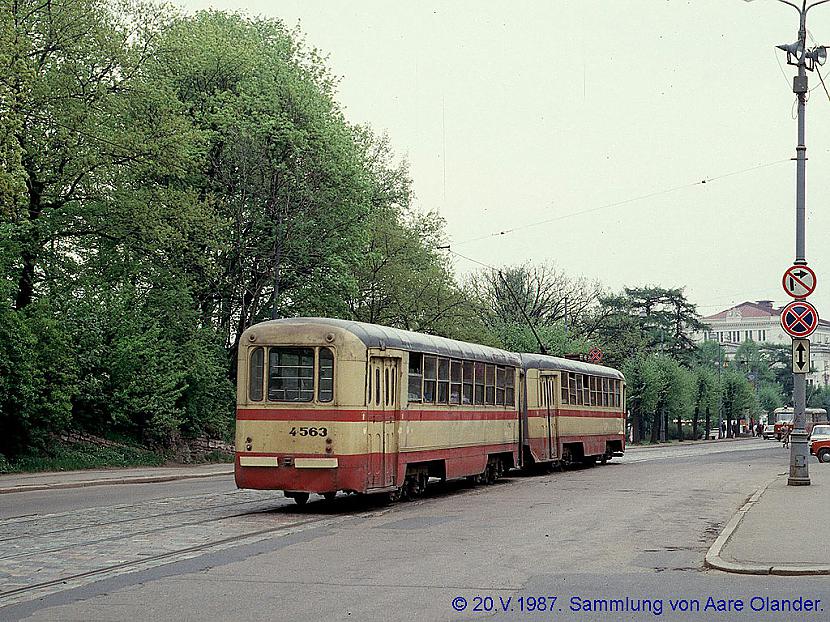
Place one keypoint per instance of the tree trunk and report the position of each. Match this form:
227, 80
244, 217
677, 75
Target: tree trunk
28, 257
655, 426
709, 423
636, 434
695, 416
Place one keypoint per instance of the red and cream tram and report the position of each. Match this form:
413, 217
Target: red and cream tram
326, 405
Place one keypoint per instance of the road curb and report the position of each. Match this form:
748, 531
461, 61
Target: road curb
150, 479
714, 441
714, 560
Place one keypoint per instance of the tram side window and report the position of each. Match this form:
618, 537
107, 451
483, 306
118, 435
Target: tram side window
586, 391
593, 386
255, 374
455, 382
291, 374
572, 392
443, 380
467, 389
500, 386
479, 383
490, 385
605, 391
617, 393
510, 386
430, 376
325, 372
564, 384
416, 376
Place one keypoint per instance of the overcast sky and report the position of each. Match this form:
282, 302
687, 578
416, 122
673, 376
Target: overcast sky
512, 113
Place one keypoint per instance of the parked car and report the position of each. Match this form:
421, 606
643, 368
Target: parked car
820, 442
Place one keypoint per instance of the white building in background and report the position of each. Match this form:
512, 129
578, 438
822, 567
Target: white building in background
760, 321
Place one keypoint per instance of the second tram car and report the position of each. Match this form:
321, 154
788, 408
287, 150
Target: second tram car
327, 405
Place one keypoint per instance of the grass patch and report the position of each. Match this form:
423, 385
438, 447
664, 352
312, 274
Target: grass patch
75, 456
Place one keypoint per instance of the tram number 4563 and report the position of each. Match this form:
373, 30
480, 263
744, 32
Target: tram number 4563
308, 431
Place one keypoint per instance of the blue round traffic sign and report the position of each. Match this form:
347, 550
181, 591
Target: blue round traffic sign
799, 318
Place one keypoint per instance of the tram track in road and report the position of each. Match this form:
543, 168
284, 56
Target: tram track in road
65, 579
15, 520
72, 574
121, 537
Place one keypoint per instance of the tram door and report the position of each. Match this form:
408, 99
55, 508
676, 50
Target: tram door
384, 412
547, 402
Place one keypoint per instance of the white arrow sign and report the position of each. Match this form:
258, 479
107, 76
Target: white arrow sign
801, 356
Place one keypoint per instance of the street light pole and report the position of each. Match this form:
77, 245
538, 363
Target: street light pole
804, 59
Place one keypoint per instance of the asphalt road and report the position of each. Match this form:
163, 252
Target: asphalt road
630, 535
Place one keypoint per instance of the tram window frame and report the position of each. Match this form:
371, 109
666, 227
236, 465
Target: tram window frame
572, 392
510, 386
467, 372
578, 390
443, 381
563, 387
489, 385
616, 394
302, 390
592, 385
415, 375
586, 390
478, 393
430, 379
325, 383
605, 391
256, 380
455, 382
499, 386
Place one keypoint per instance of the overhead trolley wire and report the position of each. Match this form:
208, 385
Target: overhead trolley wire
619, 203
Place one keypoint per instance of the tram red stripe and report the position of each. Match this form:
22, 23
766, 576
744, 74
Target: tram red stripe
262, 414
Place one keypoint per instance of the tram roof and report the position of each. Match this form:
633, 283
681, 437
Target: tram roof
543, 361
376, 336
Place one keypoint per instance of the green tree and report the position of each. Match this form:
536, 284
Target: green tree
706, 396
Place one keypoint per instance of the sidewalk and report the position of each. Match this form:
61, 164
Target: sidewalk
631, 447
780, 530
27, 482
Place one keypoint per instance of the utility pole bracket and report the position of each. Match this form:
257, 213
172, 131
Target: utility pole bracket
800, 84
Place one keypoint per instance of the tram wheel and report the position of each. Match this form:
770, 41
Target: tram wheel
300, 497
